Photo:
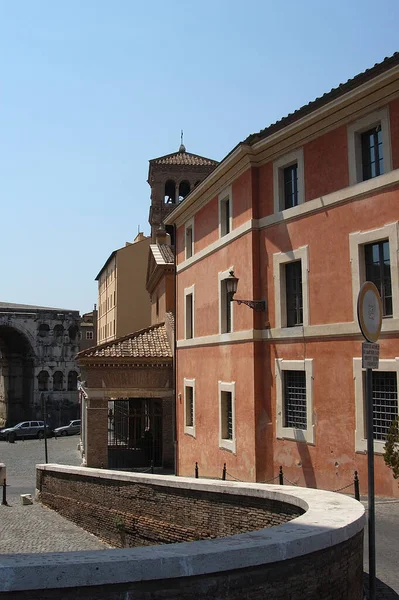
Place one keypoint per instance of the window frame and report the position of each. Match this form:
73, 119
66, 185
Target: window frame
223, 305
227, 444
190, 291
280, 260
357, 241
290, 433
388, 364
294, 157
189, 429
354, 131
189, 225
225, 196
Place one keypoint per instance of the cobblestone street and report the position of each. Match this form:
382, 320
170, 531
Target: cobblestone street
35, 528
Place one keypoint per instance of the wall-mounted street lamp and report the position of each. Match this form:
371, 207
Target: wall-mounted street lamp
231, 289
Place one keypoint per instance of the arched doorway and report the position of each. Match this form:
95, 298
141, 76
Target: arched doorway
16, 376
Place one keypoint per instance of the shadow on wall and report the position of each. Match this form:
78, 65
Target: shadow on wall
306, 460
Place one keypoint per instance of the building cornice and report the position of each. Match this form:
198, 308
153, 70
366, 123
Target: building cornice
344, 109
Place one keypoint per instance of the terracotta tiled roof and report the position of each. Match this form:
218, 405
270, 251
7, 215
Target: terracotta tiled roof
163, 254
334, 93
167, 253
151, 342
184, 158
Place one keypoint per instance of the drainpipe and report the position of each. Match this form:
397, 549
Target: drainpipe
175, 442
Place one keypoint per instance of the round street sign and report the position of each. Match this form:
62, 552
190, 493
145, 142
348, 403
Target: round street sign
369, 311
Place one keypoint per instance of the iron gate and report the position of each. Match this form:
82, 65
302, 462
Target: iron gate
134, 433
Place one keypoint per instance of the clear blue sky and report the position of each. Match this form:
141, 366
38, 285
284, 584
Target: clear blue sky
90, 90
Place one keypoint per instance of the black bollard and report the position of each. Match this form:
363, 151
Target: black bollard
356, 484
281, 476
152, 467
196, 470
224, 472
4, 501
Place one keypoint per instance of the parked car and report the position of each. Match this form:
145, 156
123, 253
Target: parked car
25, 429
70, 429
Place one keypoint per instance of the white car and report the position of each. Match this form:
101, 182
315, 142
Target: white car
70, 429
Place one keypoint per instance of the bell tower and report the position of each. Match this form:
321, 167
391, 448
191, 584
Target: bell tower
171, 178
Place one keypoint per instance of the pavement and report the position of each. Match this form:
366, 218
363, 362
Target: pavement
36, 528
387, 548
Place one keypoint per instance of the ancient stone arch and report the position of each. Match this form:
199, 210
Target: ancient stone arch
17, 363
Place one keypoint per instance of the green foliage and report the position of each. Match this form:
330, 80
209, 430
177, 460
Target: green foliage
391, 455
120, 523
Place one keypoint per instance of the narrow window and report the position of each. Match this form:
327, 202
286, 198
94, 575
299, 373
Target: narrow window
290, 185
295, 399
372, 155
294, 299
225, 216
189, 241
89, 335
227, 415
378, 271
189, 406
226, 321
189, 316
385, 403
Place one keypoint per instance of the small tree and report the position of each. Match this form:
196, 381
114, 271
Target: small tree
391, 455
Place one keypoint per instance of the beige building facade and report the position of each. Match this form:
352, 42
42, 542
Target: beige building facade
123, 302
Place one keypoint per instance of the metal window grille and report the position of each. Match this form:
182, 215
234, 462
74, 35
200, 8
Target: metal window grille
385, 403
189, 406
290, 177
295, 399
378, 270
227, 415
294, 299
372, 156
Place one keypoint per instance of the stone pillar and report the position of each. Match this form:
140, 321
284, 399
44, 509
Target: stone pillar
96, 426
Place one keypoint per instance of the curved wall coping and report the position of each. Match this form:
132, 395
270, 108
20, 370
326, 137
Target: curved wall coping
330, 519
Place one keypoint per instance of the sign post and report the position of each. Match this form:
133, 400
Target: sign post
369, 314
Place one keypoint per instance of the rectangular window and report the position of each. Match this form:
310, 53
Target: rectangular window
295, 410
369, 146
294, 298
189, 406
290, 185
227, 415
385, 403
372, 153
378, 271
189, 242
189, 316
226, 321
89, 335
225, 212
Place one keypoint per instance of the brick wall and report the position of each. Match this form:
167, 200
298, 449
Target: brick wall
129, 514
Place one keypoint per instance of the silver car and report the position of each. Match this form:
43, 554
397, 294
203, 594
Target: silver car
70, 429
24, 430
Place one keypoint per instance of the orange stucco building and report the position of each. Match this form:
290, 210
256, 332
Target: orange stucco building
301, 213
